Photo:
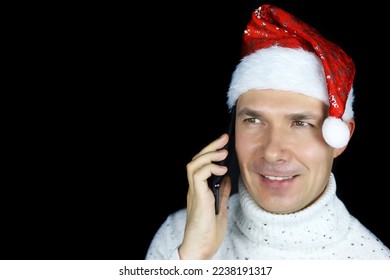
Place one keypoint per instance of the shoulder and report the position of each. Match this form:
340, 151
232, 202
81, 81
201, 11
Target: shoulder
168, 237
363, 240
174, 224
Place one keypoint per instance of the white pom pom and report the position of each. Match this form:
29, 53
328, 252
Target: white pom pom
335, 132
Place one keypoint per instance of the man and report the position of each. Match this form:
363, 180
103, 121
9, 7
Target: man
291, 96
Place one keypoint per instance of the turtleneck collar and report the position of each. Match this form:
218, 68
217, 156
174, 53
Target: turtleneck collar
322, 223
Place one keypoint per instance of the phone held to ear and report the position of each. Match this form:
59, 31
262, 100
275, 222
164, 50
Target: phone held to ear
215, 181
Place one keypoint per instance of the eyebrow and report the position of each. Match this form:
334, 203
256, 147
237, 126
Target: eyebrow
305, 115
248, 112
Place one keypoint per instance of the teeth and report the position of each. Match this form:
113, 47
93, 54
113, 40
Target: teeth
278, 178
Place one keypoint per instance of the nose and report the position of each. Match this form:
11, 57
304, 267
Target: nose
275, 146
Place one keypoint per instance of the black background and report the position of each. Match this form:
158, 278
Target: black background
130, 94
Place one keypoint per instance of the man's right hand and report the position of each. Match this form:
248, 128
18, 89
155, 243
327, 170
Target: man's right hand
205, 231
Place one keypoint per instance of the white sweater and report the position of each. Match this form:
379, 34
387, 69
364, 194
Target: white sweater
324, 230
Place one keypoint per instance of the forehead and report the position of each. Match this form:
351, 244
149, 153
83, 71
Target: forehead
278, 98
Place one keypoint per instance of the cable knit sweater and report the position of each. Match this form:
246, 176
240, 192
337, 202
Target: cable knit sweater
324, 230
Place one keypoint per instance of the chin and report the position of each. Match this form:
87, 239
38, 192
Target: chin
279, 208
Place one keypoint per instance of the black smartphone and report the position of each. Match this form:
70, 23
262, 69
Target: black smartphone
229, 161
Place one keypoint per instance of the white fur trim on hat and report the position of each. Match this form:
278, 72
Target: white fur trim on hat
279, 68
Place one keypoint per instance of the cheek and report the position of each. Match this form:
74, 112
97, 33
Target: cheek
316, 156
245, 147
313, 145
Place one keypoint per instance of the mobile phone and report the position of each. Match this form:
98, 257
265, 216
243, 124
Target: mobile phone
215, 180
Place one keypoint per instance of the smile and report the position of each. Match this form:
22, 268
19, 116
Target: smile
273, 178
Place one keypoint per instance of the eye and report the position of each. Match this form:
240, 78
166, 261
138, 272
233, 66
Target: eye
252, 120
301, 123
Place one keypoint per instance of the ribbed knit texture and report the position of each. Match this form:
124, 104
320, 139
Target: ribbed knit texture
324, 230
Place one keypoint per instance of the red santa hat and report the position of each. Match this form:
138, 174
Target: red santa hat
281, 52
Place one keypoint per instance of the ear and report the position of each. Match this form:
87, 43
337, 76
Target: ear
351, 125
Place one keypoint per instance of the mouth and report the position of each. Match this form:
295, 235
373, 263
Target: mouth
278, 178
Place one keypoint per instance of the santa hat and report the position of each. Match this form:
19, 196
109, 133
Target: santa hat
282, 52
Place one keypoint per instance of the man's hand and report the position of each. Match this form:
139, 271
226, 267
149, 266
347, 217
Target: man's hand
204, 230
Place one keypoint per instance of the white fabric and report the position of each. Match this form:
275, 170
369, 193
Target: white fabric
279, 68
324, 230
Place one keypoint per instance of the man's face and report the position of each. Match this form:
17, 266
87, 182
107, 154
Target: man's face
284, 160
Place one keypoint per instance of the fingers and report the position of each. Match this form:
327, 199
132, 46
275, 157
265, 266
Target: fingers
202, 165
217, 144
